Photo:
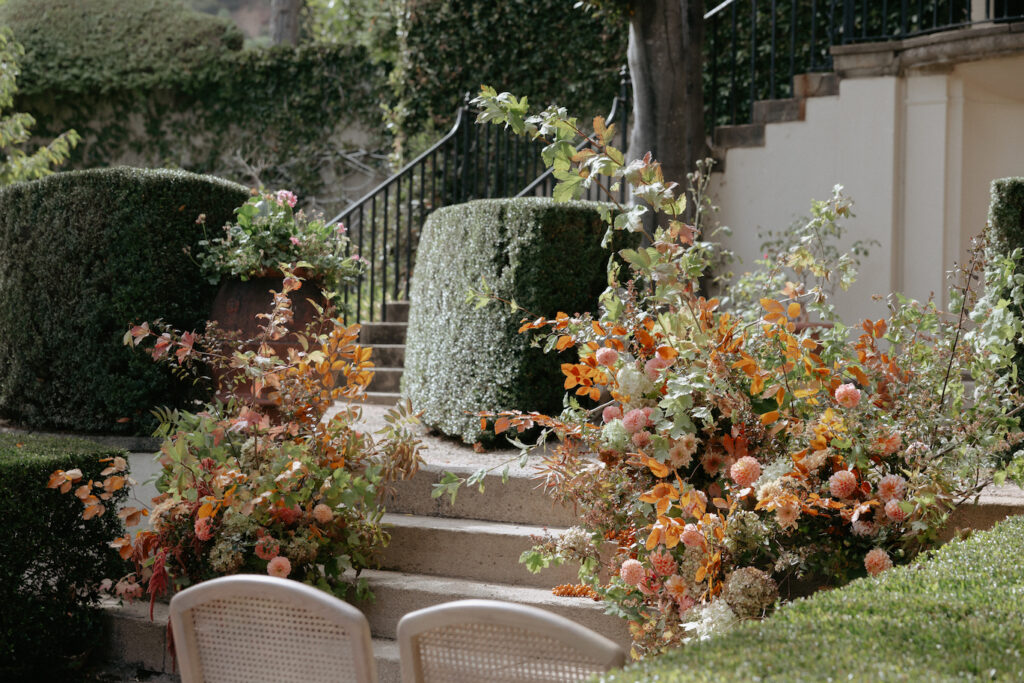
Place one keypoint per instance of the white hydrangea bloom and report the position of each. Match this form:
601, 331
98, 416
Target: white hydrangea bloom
633, 382
776, 470
713, 619
614, 435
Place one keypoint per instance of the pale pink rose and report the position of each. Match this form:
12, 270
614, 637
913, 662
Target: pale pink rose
787, 514
634, 420
692, 537
847, 395
632, 572
654, 366
663, 563
611, 413
641, 439
323, 513
267, 548
745, 471
892, 487
894, 512
606, 356
286, 197
279, 567
203, 529
294, 240
877, 561
842, 484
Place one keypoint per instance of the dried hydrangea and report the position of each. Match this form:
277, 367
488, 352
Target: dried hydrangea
576, 540
713, 619
225, 557
302, 548
750, 592
746, 531
614, 435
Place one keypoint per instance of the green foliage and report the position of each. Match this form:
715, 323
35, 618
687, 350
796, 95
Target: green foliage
15, 128
51, 560
165, 87
462, 358
82, 255
956, 615
452, 46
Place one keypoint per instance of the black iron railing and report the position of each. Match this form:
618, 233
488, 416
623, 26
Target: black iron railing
753, 48
470, 162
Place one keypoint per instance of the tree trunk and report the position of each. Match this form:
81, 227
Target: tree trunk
284, 21
666, 66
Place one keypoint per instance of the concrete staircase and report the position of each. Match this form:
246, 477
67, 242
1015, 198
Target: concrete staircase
388, 341
438, 552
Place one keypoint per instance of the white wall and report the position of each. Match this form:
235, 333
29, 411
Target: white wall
917, 154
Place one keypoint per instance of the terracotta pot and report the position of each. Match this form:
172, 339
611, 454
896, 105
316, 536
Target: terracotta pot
235, 308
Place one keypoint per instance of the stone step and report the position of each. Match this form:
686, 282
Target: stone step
387, 380
389, 355
382, 398
741, 135
779, 111
396, 312
468, 549
816, 84
372, 334
398, 593
386, 655
518, 501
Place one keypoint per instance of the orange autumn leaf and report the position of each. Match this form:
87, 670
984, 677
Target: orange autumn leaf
564, 342
501, 424
793, 310
769, 418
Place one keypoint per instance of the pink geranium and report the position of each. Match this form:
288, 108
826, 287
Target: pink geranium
847, 395
606, 356
203, 529
877, 561
632, 572
654, 366
611, 413
279, 567
842, 484
745, 471
286, 197
634, 420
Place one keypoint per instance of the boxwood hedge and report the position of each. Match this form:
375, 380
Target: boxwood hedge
51, 560
954, 616
460, 358
82, 256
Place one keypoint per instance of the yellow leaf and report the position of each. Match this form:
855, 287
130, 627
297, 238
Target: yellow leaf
658, 469
205, 510
769, 418
794, 310
653, 538
771, 305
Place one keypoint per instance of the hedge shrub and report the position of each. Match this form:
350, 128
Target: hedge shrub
83, 255
51, 560
541, 48
460, 358
956, 615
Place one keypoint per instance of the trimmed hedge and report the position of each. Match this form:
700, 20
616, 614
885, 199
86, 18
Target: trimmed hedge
82, 256
956, 615
461, 359
51, 560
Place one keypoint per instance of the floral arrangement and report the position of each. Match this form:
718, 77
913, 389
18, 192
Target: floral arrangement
719, 457
293, 491
269, 232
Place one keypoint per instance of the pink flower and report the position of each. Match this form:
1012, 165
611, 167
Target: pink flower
892, 487
606, 356
128, 588
675, 586
842, 484
681, 452
341, 229
745, 471
323, 513
647, 413
890, 444
203, 529
632, 572
286, 197
685, 603
641, 439
650, 583
294, 240
894, 512
862, 528
663, 563
712, 462
611, 413
654, 366
847, 395
787, 514
279, 567
267, 548
634, 421
877, 561
692, 537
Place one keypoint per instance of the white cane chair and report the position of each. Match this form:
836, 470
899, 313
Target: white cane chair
476, 641
262, 629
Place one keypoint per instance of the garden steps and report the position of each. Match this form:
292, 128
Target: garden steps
387, 339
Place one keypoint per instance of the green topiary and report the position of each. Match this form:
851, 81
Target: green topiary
461, 358
82, 256
954, 616
51, 560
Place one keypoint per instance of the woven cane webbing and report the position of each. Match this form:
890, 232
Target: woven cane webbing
472, 653
259, 640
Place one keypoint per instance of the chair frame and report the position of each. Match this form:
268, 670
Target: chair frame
257, 586
602, 650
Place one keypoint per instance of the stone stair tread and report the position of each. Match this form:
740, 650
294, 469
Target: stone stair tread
398, 593
382, 398
386, 655
475, 526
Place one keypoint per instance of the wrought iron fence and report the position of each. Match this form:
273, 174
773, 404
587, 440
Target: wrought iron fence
469, 162
753, 48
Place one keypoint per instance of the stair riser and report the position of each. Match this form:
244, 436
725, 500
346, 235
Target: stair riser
386, 380
132, 639
382, 333
468, 554
393, 601
397, 312
519, 501
381, 398
389, 355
